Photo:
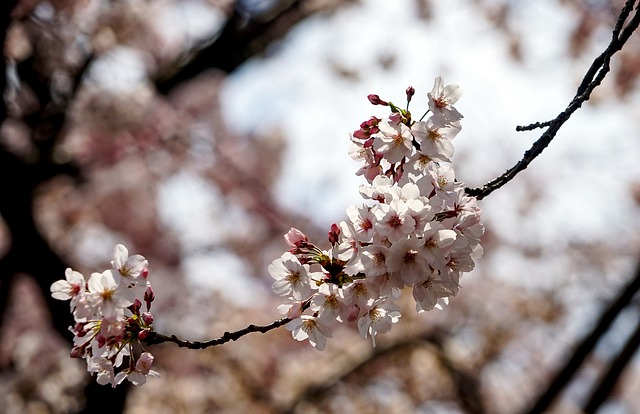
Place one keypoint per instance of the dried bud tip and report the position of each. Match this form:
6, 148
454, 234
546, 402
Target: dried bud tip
375, 99
410, 92
334, 234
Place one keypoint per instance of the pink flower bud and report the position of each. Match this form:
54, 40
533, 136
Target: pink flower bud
361, 134
143, 334
375, 99
102, 341
395, 118
354, 312
334, 234
78, 329
77, 352
144, 273
147, 318
149, 296
135, 307
410, 92
295, 238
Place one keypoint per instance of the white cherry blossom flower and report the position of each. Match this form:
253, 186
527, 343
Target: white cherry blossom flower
129, 268
103, 368
434, 137
431, 293
108, 294
441, 99
363, 221
138, 376
374, 260
291, 277
311, 328
394, 220
379, 319
73, 287
436, 244
394, 141
406, 260
327, 303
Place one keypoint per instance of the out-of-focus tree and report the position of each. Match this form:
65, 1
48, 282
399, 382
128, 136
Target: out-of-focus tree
110, 108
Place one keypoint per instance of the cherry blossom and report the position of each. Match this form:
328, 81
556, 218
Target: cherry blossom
73, 287
435, 135
108, 294
378, 319
442, 98
107, 311
417, 230
394, 141
290, 277
311, 328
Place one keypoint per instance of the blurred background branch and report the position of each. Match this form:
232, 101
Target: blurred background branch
125, 124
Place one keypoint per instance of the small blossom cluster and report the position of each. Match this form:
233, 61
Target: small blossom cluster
110, 323
417, 229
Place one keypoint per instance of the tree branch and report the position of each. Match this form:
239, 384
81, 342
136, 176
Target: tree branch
240, 39
585, 347
594, 76
157, 338
465, 385
611, 377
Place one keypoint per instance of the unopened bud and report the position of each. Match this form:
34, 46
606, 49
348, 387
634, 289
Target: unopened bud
375, 99
102, 341
396, 117
334, 234
147, 318
78, 329
295, 238
135, 307
144, 334
410, 92
354, 312
149, 296
77, 352
144, 273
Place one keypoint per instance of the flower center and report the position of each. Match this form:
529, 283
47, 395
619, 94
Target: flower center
398, 141
308, 325
395, 221
293, 277
379, 258
375, 314
410, 256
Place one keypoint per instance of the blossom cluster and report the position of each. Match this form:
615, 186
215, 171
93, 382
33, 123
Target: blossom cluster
109, 321
417, 229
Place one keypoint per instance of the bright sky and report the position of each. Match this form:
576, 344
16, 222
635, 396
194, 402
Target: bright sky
296, 92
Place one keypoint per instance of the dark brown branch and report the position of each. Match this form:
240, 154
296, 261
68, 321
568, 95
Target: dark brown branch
593, 78
465, 384
585, 347
157, 338
240, 39
611, 377
5, 21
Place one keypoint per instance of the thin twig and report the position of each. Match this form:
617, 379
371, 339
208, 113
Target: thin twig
594, 76
158, 338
